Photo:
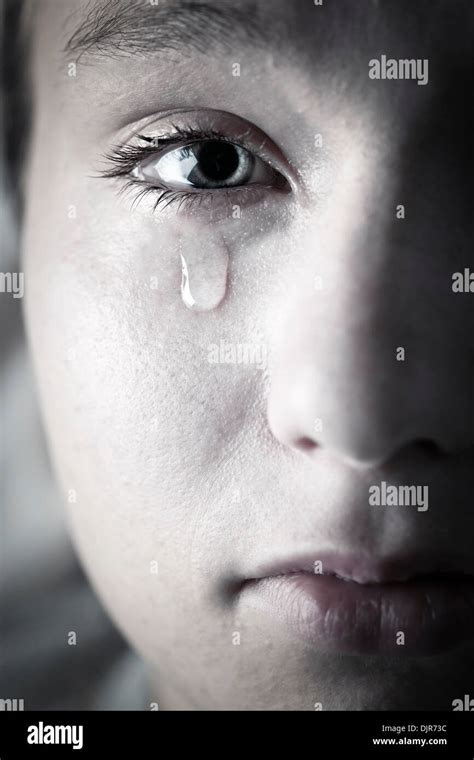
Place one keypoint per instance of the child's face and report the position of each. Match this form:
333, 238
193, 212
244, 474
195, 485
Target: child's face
326, 353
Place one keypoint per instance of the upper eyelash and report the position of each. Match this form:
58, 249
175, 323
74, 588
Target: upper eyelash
125, 157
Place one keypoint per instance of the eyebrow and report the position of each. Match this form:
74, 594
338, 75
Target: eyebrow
125, 27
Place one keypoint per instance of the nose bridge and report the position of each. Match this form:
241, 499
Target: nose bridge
341, 285
336, 379
340, 377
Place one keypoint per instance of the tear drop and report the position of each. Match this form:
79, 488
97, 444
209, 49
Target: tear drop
203, 274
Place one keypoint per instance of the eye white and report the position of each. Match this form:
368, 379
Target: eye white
180, 169
174, 167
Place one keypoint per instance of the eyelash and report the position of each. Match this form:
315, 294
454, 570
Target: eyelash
124, 159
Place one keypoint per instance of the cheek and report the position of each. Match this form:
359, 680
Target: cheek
121, 360
138, 413
152, 421
128, 395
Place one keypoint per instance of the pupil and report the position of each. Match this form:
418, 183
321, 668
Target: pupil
218, 161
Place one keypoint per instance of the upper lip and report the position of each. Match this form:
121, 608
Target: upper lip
362, 569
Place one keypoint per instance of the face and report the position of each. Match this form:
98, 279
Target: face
254, 363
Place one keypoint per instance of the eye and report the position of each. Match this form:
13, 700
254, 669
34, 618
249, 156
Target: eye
207, 165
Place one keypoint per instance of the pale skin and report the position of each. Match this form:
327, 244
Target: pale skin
187, 475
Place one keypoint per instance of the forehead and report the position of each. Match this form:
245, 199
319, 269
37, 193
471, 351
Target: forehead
314, 29
136, 58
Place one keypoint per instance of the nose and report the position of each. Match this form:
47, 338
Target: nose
371, 354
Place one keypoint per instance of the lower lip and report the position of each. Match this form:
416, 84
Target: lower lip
421, 617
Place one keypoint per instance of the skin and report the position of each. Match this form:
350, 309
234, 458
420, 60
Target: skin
210, 470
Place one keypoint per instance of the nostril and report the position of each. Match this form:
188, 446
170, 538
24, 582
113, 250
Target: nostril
428, 448
306, 444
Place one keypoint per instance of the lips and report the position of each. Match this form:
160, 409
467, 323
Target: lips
360, 607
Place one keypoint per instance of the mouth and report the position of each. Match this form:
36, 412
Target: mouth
350, 607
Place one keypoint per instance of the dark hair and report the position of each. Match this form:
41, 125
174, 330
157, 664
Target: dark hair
15, 105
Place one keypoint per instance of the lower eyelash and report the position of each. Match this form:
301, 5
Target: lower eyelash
165, 197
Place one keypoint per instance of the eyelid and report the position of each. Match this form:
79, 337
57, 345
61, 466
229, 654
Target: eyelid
226, 125
211, 204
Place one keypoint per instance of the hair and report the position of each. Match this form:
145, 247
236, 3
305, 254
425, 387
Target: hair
15, 101
15, 115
